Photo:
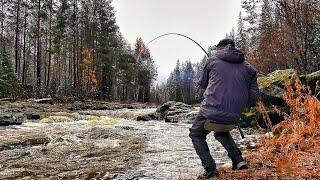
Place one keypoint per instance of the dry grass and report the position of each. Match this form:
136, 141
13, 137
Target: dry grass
293, 152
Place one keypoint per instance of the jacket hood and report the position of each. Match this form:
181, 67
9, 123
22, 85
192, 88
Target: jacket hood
231, 55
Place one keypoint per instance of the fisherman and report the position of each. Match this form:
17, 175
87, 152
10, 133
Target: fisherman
230, 84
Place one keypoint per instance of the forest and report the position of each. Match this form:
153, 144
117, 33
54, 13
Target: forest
63, 48
75, 48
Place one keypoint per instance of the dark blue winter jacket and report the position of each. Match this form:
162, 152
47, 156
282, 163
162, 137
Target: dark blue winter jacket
230, 83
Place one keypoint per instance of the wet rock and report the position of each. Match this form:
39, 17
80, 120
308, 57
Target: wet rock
191, 116
11, 119
6, 100
174, 112
103, 107
134, 106
44, 101
107, 143
79, 106
174, 119
148, 117
33, 116
27, 141
82, 106
163, 108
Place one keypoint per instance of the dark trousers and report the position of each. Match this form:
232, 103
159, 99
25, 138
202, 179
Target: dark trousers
198, 135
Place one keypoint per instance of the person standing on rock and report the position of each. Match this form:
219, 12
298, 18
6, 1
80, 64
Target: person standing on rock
230, 84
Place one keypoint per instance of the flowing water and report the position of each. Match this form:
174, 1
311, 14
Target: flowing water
105, 145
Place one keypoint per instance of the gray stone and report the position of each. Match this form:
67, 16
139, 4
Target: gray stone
175, 112
134, 106
79, 106
44, 101
11, 119
6, 100
33, 116
272, 87
163, 108
148, 117
191, 116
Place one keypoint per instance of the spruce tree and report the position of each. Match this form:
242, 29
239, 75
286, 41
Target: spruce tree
8, 81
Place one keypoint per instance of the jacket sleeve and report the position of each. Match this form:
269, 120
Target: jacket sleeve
253, 91
204, 78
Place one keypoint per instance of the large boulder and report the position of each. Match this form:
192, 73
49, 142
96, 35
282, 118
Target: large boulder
82, 106
253, 117
272, 86
11, 119
33, 115
272, 89
175, 112
148, 117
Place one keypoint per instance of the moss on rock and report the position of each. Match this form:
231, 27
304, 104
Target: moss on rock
276, 78
272, 87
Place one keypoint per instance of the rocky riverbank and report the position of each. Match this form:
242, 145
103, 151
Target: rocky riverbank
17, 112
105, 144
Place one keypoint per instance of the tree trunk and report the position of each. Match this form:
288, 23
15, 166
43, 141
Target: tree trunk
50, 46
45, 65
24, 49
2, 29
17, 59
75, 44
123, 92
39, 50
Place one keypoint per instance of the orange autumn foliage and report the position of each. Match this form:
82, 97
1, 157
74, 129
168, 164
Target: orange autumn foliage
295, 147
293, 152
89, 78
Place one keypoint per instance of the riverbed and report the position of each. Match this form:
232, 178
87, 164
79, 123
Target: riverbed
105, 145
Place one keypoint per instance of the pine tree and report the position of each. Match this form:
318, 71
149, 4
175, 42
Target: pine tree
241, 37
177, 83
252, 18
188, 83
39, 49
231, 35
8, 80
145, 71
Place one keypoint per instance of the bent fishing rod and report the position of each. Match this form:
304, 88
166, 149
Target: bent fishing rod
182, 35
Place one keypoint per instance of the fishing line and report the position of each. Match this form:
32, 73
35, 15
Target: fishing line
181, 35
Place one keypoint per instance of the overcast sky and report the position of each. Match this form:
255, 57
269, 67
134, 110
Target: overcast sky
206, 21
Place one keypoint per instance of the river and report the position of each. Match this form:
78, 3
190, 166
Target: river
105, 145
